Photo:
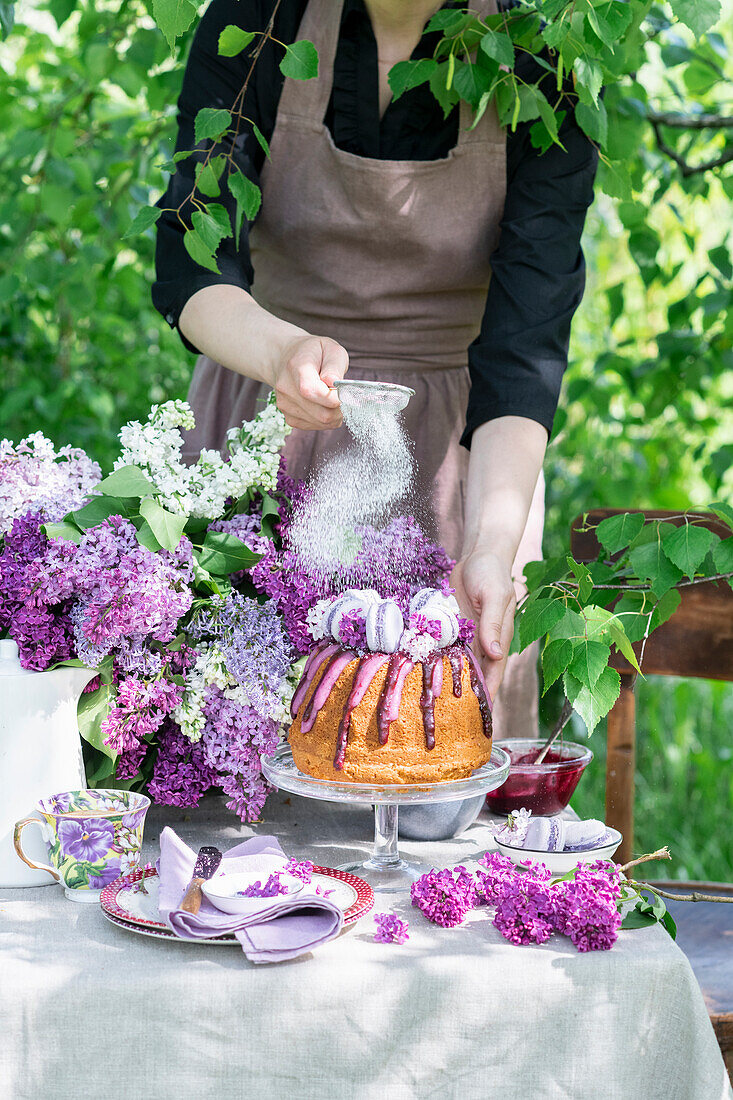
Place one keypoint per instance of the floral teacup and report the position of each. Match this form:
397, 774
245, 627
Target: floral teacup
93, 837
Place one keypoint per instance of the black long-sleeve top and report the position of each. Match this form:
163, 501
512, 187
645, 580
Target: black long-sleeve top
517, 362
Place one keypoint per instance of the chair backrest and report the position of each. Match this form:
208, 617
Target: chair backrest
698, 639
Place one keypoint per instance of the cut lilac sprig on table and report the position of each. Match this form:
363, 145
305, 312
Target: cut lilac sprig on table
390, 928
445, 897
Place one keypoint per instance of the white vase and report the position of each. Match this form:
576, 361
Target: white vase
40, 753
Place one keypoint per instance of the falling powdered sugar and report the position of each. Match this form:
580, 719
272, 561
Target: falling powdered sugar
356, 487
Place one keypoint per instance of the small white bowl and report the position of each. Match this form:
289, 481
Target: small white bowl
560, 862
223, 891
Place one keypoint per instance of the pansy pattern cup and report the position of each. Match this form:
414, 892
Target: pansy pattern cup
93, 837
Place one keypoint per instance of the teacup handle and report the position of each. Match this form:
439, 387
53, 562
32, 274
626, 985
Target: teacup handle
19, 826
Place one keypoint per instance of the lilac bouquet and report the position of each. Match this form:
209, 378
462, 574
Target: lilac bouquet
175, 582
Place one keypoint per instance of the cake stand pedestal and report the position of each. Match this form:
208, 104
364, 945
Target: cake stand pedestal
385, 869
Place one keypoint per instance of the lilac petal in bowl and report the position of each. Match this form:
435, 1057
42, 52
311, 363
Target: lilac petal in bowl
560, 862
226, 891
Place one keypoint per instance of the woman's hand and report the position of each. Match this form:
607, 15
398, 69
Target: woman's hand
303, 382
486, 594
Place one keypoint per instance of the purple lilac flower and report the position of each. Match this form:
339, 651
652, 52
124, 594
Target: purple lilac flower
139, 712
271, 889
466, 630
525, 909
390, 928
352, 631
445, 897
181, 774
88, 838
247, 794
33, 475
586, 906
303, 870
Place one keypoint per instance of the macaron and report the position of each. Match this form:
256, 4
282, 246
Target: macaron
448, 624
384, 627
335, 613
545, 834
582, 835
432, 598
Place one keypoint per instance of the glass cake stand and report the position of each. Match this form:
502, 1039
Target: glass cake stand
385, 868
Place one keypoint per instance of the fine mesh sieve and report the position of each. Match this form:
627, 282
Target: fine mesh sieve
354, 393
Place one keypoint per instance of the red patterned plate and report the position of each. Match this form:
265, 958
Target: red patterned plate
131, 901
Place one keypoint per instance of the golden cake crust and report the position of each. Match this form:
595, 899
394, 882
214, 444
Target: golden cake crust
461, 745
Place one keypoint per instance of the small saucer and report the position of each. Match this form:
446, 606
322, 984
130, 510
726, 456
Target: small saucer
224, 891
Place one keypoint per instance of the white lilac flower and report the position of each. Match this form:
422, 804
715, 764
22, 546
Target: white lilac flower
35, 475
418, 646
514, 829
316, 619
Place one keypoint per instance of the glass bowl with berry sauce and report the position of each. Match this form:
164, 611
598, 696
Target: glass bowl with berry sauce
544, 788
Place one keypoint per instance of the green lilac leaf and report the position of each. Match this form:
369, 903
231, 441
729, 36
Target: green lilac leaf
166, 526
638, 919
687, 546
100, 508
211, 123
233, 40
144, 219
126, 481
144, 535
94, 706
63, 530
223, 553
616, 532
300, 61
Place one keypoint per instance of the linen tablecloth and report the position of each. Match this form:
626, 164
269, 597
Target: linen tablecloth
88, 1010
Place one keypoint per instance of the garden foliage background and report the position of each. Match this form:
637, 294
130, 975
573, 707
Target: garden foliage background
87, 103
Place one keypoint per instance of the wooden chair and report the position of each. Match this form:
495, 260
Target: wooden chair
696, 641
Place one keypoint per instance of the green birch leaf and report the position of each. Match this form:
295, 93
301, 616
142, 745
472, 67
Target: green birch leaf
556, 656
143, 220
209, 229
211, 123
198, 251
548, 116
666, 608
622, 642
208, 175
471, 82
499, 47
633, 610
593, 704
248, 198
616, 532
722, 556
593, 120
233, 40
409, 74
166, 526
444, 94
651, 564
300, 61
589, 660
589, 79
220, 215
264, 144
698, 15
173, 17
571, 625
687, 545
126, 481
7, 19
724, 512
539, 617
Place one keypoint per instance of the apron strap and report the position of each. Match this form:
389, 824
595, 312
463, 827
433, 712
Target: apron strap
308, 99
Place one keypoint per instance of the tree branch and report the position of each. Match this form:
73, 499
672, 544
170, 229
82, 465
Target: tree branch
690, 122
684, 166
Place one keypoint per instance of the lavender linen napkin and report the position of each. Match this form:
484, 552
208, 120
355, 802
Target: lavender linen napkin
281, 929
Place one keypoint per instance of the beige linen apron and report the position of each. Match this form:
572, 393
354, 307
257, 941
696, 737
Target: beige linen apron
390, 259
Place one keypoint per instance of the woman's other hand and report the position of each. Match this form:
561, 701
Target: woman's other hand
486, 594
303, 382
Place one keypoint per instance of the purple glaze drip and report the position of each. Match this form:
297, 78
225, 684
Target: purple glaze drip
480, 691
334, 668
314, 662
366, 670
391, 697
456, 665
432, 685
